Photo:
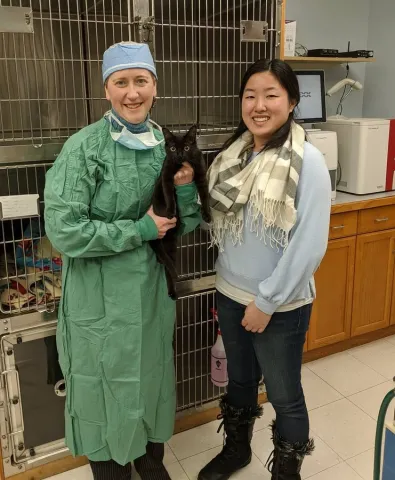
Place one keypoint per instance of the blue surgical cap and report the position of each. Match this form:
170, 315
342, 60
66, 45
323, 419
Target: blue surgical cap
127, 55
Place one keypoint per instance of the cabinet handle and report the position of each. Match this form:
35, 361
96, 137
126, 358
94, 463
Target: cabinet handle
379, 220
338, 227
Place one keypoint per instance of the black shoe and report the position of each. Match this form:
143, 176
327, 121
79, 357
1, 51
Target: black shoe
150, 466
285, 462
236, 453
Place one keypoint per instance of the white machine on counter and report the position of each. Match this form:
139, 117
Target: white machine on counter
363, 153
326, 142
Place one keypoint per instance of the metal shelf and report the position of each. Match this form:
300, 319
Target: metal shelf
332, 60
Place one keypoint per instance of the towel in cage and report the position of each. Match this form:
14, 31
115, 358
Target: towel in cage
36, 250
30, 291
15, 295
47, 286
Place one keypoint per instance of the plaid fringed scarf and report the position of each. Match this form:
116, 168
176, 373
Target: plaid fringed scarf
268, 184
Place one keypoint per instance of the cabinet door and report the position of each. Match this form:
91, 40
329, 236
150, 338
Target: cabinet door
392, 314
374, 267
331, 316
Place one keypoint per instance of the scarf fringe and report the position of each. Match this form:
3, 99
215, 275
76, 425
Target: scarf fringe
264, 217
224, 226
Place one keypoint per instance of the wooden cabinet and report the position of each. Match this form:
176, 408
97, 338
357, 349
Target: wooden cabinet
392, 312
373, 281
332, 310
343, 225
376, 219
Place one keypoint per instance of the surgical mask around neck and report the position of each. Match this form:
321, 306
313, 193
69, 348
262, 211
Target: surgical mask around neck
133, 141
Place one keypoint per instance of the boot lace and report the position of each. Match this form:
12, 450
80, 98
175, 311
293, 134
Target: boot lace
270, 462
221, 417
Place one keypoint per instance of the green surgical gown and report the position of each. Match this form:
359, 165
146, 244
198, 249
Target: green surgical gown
116, 321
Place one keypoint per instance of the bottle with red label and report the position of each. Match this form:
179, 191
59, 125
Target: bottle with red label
219, 364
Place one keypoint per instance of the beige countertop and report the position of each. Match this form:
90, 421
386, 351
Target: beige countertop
346, 202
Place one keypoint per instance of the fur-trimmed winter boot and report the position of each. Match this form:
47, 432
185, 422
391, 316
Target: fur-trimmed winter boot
285, 462
236, 453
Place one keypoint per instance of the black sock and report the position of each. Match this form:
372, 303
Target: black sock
111, 470
150, 466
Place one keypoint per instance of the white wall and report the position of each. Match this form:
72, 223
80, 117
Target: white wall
331, 24
379, 87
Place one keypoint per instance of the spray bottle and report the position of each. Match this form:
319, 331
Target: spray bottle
219, 364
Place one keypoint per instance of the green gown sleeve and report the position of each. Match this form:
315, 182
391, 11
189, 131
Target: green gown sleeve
189, 209
69, 187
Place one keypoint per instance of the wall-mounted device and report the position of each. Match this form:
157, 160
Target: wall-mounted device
311, 108
343, 84
353, 84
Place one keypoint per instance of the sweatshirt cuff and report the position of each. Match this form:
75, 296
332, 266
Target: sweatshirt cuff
147, 228
265, 306
186, 193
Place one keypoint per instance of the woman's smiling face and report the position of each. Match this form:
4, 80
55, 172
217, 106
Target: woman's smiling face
265, 106
131, 93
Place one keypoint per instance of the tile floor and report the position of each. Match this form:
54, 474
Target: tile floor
343, 394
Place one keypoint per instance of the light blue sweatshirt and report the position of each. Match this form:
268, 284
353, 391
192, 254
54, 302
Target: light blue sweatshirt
278, 277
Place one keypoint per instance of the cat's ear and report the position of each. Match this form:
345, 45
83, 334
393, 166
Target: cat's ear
167, 134
191, 135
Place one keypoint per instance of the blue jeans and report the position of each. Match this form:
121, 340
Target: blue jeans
277, 354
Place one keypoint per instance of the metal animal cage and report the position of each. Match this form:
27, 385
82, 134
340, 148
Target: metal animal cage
34, 392
50, 87
51, 50
195, 335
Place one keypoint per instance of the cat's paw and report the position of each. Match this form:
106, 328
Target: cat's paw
206, 217
173, 294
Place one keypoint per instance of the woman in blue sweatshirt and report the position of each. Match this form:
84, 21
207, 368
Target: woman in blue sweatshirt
270, 197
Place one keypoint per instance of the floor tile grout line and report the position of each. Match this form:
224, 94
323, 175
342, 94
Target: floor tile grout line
183, 469
361, 453
353, 469
196, 454
342, 460
369, 388
329, 385
368, 345
373, 369
390, 346
368, 414
315, 435
358, 454
175, 456
259, 460
325, 404
325, 470
365, 365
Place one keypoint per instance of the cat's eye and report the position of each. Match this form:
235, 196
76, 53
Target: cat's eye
173, 149
186, 148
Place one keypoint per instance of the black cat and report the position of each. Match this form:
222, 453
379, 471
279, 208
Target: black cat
179, 149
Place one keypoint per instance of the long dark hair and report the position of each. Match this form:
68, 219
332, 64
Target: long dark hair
288, 80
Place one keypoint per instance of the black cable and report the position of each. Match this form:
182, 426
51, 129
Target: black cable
339, 109
339, 173
299, 46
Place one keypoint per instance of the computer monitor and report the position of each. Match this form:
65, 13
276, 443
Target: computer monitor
311, 108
